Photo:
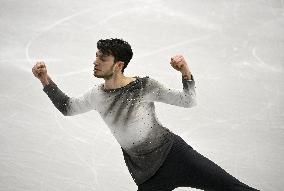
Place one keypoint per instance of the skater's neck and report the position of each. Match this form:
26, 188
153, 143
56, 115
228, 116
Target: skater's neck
117, 81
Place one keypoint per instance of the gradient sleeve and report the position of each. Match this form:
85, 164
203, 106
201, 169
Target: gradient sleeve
69, 106
184, 98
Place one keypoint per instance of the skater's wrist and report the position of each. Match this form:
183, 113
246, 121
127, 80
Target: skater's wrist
187, 76
45, 81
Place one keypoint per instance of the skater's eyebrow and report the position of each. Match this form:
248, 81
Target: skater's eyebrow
101, 55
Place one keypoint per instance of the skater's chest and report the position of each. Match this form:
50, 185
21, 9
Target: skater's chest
124, 108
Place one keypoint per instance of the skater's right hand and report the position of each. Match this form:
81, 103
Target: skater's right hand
39, 70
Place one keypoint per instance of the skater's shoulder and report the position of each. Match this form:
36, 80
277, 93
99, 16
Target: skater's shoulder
146, 80
143, 77
150, 83
150, 80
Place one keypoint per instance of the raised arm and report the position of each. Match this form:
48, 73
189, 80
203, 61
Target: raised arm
66, 105
58, 98
183, 98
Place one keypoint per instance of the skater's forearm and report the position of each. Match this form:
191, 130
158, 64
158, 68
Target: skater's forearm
69, 106
58, 98
61, 101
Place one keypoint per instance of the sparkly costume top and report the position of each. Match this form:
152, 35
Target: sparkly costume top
129, 112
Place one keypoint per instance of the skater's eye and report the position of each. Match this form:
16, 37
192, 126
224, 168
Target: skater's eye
101, 57
98, 56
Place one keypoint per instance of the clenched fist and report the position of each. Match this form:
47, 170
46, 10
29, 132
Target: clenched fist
178, 62
39, 70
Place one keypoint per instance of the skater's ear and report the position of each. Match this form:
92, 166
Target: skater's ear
120, 65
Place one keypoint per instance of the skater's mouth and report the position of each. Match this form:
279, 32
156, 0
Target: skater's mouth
95, 69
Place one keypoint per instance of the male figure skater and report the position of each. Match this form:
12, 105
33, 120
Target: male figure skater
158, 159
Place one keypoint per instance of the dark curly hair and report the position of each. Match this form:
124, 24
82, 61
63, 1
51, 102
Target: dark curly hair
118, 48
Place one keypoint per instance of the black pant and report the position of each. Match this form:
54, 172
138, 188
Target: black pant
185, 167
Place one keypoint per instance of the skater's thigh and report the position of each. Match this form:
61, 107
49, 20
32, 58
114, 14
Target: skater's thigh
200, 172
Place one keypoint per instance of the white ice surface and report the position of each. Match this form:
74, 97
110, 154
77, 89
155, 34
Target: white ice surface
234, 50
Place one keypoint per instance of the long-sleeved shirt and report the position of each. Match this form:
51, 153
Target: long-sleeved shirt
129, 112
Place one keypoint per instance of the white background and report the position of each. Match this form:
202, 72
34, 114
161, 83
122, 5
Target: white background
233, 48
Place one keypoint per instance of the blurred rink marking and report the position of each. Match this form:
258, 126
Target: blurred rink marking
58, 22
263, 64
86, 163
118, 13
164, 48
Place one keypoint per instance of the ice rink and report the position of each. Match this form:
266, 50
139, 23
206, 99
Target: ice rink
234, 49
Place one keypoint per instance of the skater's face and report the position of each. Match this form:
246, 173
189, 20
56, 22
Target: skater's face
105, 67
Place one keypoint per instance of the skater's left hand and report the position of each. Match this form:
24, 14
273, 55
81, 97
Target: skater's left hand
178, 62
